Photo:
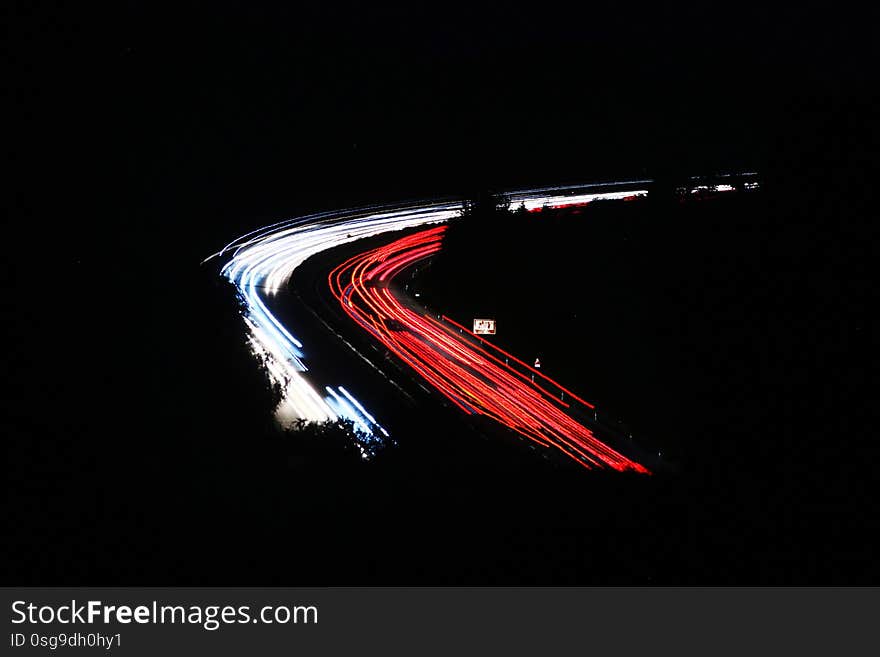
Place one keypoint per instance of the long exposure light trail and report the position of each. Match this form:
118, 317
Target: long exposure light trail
260, 264
469, 376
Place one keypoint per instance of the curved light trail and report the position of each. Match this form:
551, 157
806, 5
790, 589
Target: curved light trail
475, 379
261, 263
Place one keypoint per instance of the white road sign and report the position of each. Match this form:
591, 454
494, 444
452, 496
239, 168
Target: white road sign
484, 326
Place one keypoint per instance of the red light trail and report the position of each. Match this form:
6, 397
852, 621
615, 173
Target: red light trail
473, 378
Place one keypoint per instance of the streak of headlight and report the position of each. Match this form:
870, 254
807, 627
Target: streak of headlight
346, 410
579, 199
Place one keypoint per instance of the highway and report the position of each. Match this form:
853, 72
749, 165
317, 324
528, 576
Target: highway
469, 374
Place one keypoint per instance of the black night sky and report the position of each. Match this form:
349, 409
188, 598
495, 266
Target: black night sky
147, 136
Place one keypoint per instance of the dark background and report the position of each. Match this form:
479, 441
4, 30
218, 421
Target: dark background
145, 137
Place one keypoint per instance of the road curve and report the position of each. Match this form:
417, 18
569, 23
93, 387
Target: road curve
261, 262
472, 377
